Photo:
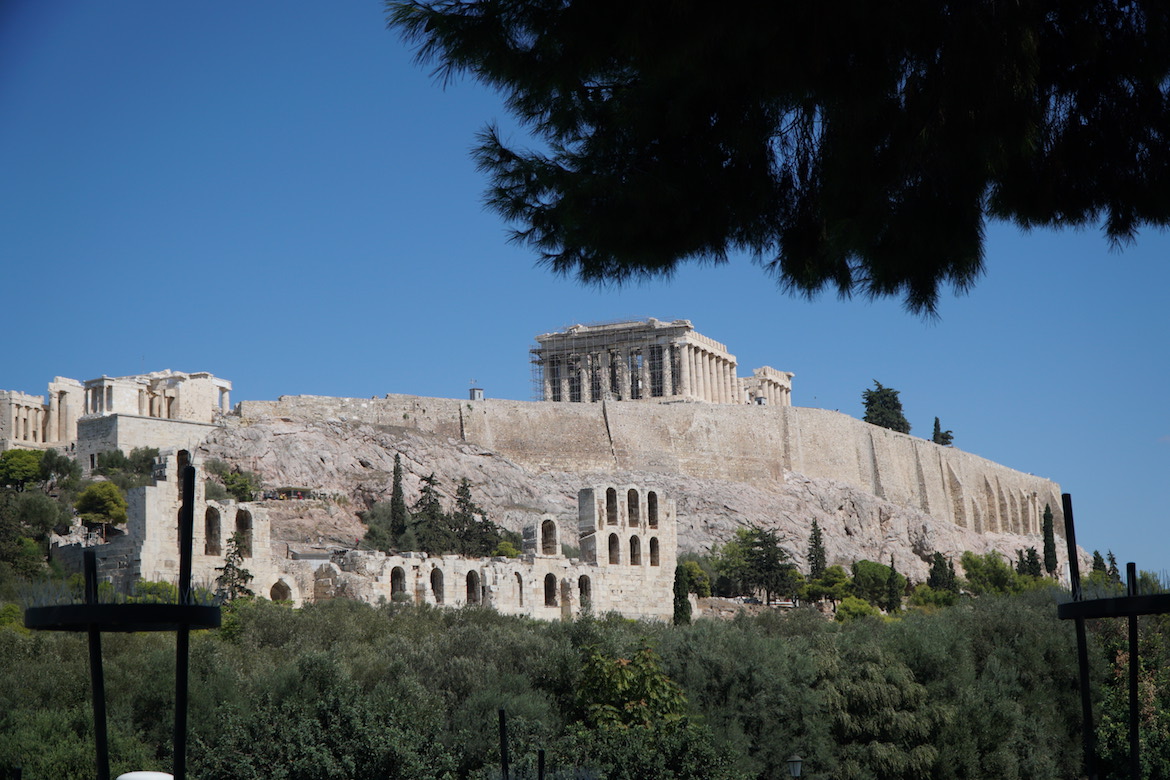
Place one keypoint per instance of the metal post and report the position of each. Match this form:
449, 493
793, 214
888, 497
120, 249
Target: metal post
183, 638
96, 673
540, 764
503, 745
1074, 569
1135, 749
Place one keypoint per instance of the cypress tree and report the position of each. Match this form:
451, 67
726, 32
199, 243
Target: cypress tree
945, 438
682, 603
398, 515
1099, 563
1049, 542
816, 553
894, 586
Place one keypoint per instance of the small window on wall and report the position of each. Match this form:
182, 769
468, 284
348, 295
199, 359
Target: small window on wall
635, 551
550, 590
397, 581
611, 507
652, 508
654, 551
437, 585
281, 591
615, 549
635, 515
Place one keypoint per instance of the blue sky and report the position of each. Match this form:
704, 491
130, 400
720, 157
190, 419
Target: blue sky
278, 194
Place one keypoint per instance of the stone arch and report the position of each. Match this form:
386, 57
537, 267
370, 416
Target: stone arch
548, 538
473, 590
244, 531
654, 560
520, 588
281, 591
615, 548
585, 591
633, 510
611, 506
635, 551
550, 590
652, 509
437, 585
397, 581
212, 535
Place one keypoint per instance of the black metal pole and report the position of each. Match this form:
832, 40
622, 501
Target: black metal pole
183, 639
540, 764
96, 673
503, 745
1135, 748
1074, 572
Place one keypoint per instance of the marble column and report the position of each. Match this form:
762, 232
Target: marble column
563, 380
647, 386
667, 371
684, 367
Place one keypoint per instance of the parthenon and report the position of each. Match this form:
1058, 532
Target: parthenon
648, 360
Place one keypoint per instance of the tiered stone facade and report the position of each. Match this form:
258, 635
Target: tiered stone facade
632, 574
162, 409
648, 361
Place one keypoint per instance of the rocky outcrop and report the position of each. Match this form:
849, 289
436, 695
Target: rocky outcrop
352, 459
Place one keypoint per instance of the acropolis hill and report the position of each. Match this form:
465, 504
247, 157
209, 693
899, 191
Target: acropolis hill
652, 404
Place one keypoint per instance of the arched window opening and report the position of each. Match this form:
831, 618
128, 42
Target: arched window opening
520, 588
397, 581
473, 587
635, 551
550, 590
653, 550
212, 541
437, 585
652, 508
615, 547
632, 509
548, 538
585, 592
611, 508
244, 532
281, 591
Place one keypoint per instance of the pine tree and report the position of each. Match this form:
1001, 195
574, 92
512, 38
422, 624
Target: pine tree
1099, 563
1050, 562
398, 515
942, 574
234, 578
817, 561
945, 438
1032, 563
883, 408
1113, 572
430, 526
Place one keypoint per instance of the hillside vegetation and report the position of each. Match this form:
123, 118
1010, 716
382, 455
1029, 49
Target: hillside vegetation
347, 690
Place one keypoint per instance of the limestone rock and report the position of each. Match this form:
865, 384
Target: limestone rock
353, 461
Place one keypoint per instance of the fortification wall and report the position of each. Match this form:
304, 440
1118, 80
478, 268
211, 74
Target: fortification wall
738, 443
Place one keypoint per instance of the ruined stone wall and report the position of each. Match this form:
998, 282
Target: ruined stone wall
98, 434
632, 572
739, 443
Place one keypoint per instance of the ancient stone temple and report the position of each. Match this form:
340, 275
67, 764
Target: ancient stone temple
161, 409
648, 360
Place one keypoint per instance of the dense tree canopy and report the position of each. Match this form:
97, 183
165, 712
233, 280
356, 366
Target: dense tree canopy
855, 146
884, 408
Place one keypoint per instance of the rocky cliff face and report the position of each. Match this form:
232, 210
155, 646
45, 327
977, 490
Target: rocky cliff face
354, 461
